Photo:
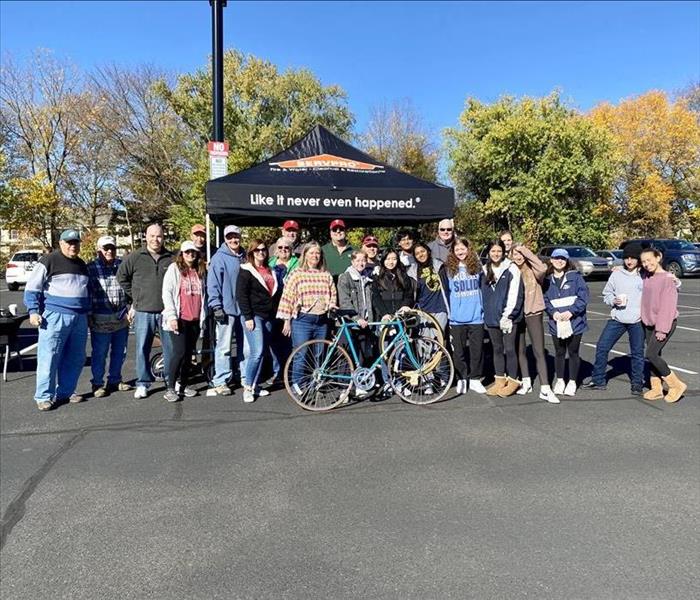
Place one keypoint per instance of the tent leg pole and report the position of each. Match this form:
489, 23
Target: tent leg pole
206, 223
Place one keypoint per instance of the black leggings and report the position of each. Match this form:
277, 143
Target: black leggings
654, 347
468, 339
505, 359
570, 344
183, 346
535, 329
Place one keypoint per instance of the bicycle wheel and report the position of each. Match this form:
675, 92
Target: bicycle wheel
319, 381
428, 327
158, 366
421, 371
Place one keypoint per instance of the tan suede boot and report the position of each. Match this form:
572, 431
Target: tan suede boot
657, 391
511, 386
675, 388
493, 390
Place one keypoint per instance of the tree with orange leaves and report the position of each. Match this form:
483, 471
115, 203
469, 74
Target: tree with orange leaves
657, 148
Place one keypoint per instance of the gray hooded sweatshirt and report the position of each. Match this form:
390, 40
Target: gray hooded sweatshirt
627, 282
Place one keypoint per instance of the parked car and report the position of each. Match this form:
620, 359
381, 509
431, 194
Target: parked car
680, 257
20, 267
614, 257
697, 245
587, 262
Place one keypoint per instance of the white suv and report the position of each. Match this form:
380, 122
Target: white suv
20, 268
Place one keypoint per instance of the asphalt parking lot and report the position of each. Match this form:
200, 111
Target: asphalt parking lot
470, 498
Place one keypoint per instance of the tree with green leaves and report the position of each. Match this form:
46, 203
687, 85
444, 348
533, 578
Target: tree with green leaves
535, 166
265, 111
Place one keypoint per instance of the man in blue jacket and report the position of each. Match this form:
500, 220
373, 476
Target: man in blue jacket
221, 289
58, 300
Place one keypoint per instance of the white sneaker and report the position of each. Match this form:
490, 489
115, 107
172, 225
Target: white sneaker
141, 391
262, 393
248, 396
525, 386
461, 387
361, 393
476, 386
559, 387
547, 394
297, 390
570, 389
219, 390
188, 391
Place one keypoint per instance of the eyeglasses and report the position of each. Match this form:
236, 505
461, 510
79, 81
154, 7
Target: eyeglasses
284, 248
445, 228
337, 229
109, 248
231, 236
260, 250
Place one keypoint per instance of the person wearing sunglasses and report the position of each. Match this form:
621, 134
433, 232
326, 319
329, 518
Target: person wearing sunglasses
283, 260
183, 315
221, 290
441, 246
258, 293
337, 252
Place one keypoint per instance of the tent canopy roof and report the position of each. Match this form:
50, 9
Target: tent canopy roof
321, 177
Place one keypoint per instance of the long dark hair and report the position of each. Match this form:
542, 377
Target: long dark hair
251, 252
569, 267
490, 275
429, 261
471, 261
399, 271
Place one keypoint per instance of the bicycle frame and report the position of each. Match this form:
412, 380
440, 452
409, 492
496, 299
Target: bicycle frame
380, 361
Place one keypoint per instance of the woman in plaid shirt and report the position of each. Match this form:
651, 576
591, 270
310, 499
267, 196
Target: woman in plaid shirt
308, 295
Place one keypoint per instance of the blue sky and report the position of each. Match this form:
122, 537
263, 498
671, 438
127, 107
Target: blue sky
434, 53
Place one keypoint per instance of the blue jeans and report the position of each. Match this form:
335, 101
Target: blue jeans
60, 355
612, 332
257, 343
224, 365
101, 344
145, 327
305, 328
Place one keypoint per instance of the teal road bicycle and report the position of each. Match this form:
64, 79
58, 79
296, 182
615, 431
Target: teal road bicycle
322, 374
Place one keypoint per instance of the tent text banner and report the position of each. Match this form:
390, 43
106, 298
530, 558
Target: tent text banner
322, 177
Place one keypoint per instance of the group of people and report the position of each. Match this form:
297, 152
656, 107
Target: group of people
270, 298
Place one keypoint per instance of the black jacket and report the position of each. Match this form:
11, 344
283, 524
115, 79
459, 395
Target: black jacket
141, 278
388, 301
253, 297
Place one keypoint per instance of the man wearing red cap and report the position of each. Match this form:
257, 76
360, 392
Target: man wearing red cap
370, 246
337, 252
290, 231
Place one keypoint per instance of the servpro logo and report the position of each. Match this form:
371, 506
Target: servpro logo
326, 162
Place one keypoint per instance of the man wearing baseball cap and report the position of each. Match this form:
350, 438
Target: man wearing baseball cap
370, 246
198, 235
337, 252
58, 300
290, 231
221, 290
109, 327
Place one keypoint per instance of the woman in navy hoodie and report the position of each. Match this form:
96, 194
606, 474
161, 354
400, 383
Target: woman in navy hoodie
501, 289
565, 300
466, 315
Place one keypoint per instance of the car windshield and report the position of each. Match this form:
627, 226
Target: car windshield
616, 253
679, 245
581, 252
26, 257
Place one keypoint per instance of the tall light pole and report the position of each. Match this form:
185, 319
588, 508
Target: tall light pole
217, 44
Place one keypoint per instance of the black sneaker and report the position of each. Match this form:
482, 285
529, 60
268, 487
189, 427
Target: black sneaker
635, 391
592, 385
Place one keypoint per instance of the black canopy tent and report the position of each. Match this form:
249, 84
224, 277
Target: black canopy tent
320, 178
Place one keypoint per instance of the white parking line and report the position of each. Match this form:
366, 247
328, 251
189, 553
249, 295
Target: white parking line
626, 353
686, 328
684, 306
687, 294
